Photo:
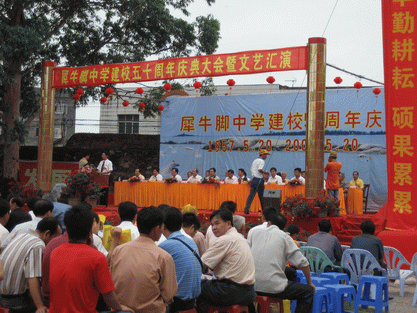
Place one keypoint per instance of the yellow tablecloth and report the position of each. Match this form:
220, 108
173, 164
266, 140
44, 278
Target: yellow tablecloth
202, 196
355, 201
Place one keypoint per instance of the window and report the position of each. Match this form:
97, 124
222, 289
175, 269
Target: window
128, 124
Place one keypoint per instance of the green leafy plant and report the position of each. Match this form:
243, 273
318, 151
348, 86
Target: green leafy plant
325, 203
298, 206
80, 185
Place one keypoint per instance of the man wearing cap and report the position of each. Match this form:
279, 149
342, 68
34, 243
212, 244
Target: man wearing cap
257, 185
333, 168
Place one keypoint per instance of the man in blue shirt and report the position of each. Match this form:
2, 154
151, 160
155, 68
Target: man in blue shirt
187, 264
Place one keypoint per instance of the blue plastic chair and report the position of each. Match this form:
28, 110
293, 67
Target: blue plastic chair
380, 300
394, 260
414, 269
318, 260
339, 293
336, 278
317, 281
360, 262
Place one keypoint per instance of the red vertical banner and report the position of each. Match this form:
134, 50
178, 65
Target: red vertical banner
400, 70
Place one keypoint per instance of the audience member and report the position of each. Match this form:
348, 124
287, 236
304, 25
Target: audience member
191, 224
79, 273
187, 261
4, 217
293, 230
128, 212
242, 176
31, 203
239, 224
144, 274
97, 241
356, 181
175, 175
22, 259
156, 176
231, 178
328, 243
272, 249
231, 261
274, 179
194, 176
332, 169
59, 208
368, 241
212, 173
297, 176
264, 223
17, 215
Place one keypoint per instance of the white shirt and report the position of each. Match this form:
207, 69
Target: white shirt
3, 232
193, 179
301, 179
156, 178
232, 180
257, 165
99, 245
210, 237
263, 225
277, 179
134, 232
163, 238
26, 227
108, 166
178, 178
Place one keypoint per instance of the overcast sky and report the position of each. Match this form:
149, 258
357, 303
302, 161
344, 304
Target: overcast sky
353, 33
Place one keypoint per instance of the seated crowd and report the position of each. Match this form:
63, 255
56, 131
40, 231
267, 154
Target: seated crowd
56, 261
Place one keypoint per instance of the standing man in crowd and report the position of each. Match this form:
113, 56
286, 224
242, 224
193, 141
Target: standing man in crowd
257, 185
195, 177
332, 169
105, 166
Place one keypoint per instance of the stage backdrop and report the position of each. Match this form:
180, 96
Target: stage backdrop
226, 132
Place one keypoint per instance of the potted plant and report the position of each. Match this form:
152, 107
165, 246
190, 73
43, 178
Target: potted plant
211, 180
80, 186
326, 205
298, 206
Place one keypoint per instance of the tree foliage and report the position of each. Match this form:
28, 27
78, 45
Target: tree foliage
84, 32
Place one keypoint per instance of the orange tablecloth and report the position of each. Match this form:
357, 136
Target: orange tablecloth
204, 197
355, 201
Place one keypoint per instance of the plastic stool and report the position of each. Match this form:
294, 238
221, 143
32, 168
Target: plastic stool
321, 299
336, 278
300, 276
229, 309
338, 293
317, 281
264, 303
381, 293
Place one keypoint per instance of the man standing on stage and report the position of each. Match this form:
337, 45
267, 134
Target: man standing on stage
332, 182
105, 166
257, 185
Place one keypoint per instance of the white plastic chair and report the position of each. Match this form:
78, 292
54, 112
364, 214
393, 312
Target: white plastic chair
414, 269
360, 262
345, 247
395, 260
302, 243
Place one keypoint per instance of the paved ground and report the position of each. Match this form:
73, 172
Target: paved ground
396, 305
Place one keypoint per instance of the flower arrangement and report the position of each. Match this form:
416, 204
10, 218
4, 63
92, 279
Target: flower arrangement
23, 191
210, 180
298, 206
326, 204
88, 169
295, 182
133, 179
80, 185
170, 180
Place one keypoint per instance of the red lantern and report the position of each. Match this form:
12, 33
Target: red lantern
160, 108
231, 82
270, 80
109, 91
167, 86
76, 96
103, 99
357, 85
139, 91
142, 106
125, 103
376, 91
338, 80
197, 85
80, 91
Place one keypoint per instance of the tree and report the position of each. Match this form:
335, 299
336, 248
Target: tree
78, 33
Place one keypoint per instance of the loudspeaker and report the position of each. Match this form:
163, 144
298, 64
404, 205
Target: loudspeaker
272, 197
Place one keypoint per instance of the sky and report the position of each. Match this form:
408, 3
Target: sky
353, 29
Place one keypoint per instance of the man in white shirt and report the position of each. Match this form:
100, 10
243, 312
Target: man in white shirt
195, 177
297, 176
257, 185
175, 175
276, 179
231, 178
156, 176
4, 217
128, 212
272, 248
105, 166
213, 173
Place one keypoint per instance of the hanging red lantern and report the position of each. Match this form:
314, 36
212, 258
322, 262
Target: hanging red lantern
77, 96
125, 103
139, 91
167, 86
338, 80
197, 85
270, 80
142, 106
80, 91
109, 91
357, 85
160, 108
231, 83
103, 99
376, 91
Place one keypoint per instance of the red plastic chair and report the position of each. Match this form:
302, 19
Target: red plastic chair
264, 303
229, 309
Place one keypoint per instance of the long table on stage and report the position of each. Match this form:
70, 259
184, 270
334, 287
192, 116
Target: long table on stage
202, 196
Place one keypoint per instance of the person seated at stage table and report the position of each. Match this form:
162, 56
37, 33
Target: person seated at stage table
298, 177
137, 177
328, 243
128, 211
284, 177
344, 184
207, 175
213, 173
356, 181
274, 179
232, 263
195, 178
266, 177
175, 175
303, 174
189, 174
156, 176
231, 178
84, 161
242, 176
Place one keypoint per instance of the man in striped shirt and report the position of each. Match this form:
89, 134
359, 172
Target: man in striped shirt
22, 259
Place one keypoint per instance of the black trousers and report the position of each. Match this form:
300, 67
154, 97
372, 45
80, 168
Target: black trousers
181, 305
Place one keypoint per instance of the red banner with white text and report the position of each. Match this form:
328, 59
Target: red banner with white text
400, 69
248, 62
